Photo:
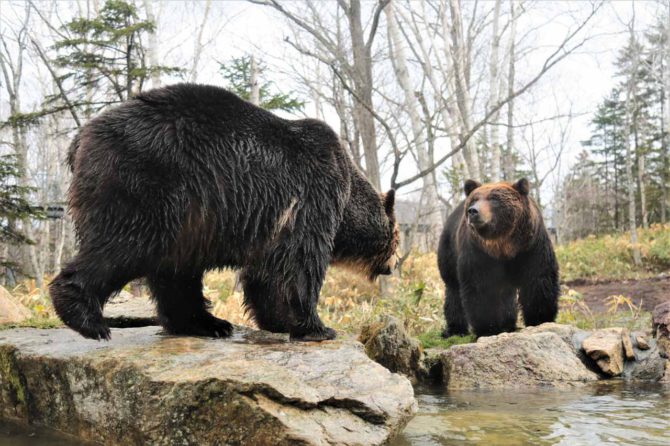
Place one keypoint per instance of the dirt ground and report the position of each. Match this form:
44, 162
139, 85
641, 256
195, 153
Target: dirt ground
650, 292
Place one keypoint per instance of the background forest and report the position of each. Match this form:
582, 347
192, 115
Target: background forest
572, 95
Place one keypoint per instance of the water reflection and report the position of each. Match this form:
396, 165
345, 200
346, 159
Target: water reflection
19, 435
613, 413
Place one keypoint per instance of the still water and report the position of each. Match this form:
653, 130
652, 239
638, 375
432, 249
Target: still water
18, 435
614, 413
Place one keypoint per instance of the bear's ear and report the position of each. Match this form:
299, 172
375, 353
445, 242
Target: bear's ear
470, 185
522, 186
389, 201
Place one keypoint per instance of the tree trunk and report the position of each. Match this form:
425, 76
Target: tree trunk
462, 92
197, 51
494, 96
362, 77
508, 166
637, 258
399, 62
641, 178
254, 84
152, 47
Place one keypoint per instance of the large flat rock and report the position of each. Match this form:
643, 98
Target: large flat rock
146, 388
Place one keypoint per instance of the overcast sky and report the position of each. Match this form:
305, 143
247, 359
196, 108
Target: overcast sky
237, 28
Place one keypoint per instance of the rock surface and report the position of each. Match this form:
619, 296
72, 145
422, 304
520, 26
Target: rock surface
146, 388
606, 348
10, 310
627, 343
660, 319
526, 358
642, 342
649, 366
125, 310
388, 343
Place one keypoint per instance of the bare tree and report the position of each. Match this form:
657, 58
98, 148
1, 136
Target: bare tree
630, 94
412, 106
494, 82
198, 44
152, 47
355, 69
12, 66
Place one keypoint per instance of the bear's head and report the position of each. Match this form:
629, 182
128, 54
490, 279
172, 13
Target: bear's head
368, 236
493, 211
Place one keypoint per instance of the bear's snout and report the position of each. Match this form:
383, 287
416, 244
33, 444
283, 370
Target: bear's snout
474, 216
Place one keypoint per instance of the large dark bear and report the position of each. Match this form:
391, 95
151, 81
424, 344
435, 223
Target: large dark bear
493, 244
187, 178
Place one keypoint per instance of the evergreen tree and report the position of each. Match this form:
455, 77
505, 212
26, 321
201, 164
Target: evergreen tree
103, 58
14, 207
238, 74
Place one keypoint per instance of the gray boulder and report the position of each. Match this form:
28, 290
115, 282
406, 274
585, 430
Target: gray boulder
526, 358
389, 344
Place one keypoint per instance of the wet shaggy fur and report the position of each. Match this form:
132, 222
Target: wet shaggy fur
494, 245
187, 178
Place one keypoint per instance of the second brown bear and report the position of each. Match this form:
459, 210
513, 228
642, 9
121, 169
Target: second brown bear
494, 245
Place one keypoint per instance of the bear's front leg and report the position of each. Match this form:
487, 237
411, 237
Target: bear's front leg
488, 298
454, 314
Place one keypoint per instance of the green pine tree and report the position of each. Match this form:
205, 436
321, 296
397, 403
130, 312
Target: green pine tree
237, 73
14, 206
103, 58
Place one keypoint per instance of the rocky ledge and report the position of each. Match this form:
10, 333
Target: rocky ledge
147, 388
547, 355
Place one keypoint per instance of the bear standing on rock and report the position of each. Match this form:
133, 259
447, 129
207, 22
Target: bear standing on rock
187, 178
494, 244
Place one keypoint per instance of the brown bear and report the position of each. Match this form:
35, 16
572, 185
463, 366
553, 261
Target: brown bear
495, 244
187, 178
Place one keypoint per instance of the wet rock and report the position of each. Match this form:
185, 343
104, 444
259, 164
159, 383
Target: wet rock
660, 318
126, 310
606, 348
641, 341
666, 376
388, 343
255, 388
570, 334
11, 312
649, 366
526, 358
628, 350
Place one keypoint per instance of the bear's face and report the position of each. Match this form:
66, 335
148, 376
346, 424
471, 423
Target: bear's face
493, 210
367, 239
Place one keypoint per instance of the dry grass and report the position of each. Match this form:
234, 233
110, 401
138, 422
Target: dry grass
416, 295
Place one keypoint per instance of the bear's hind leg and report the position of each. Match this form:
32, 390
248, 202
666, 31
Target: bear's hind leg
80, 291
268, 313
275, 308
539, 286
183, 309
457, 325
539, 301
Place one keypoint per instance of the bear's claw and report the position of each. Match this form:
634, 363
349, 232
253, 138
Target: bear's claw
325, 334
